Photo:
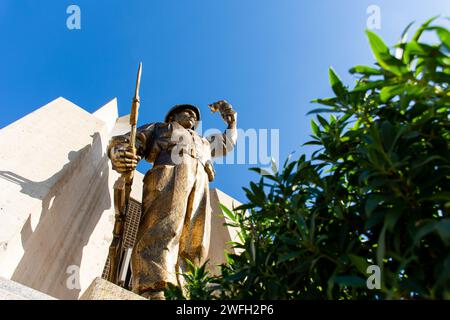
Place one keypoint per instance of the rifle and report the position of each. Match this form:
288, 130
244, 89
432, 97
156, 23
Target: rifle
122, 189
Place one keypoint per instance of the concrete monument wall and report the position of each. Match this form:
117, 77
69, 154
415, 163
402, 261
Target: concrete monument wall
220, 235
56, 199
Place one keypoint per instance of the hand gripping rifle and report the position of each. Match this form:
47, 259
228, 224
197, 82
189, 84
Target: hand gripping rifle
122, 189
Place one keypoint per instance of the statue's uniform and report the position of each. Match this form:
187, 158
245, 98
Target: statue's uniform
175, 222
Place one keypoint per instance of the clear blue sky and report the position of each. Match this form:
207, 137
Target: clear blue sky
268, 58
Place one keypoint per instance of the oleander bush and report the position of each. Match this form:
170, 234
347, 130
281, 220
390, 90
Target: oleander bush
375, 192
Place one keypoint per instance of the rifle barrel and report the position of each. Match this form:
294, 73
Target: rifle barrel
136, 100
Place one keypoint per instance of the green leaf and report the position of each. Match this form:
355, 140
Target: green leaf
258, 191
312, 143
413, 49
372, 203
391, 217
423, 231
274, 166
288, 256
440, 196
336, 84
236, 276
422, 28
252, 250
374, 220
315, 128
365, 70
419, 48
388, 92
405, 31
444, 35
332, 102
264, 173
289, 241
410, 135
228, 212
381, 249
417, 165
443, 229
320, 110
323, 122
245, 206
352, 281
288, 170
377, 44
384, 58
360, 263
364, 86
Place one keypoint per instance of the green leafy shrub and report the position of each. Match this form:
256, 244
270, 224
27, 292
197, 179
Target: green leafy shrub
376, 192
198, 284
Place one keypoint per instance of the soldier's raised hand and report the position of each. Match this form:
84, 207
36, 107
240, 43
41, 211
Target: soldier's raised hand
226, 111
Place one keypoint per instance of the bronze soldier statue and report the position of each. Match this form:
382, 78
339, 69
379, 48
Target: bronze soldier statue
175, 223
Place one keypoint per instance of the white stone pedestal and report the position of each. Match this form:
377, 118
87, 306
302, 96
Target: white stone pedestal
100, 289
11, 290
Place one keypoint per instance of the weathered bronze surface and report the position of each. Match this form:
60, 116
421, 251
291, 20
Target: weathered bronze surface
175, 221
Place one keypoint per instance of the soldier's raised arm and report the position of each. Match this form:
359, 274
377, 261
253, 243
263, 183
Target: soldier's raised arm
221, 144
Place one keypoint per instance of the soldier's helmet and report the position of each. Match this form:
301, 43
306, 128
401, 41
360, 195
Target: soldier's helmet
180, 107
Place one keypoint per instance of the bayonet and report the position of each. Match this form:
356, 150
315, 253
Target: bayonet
122, 190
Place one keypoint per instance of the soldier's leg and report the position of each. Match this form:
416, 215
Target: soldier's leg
155, 254
194, 242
